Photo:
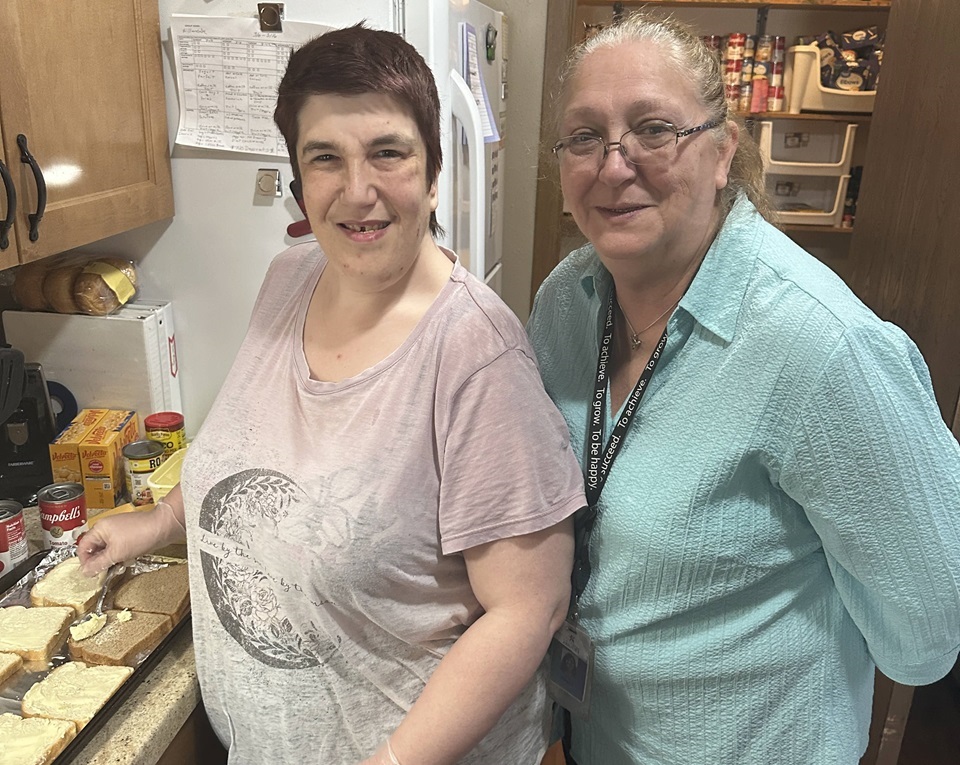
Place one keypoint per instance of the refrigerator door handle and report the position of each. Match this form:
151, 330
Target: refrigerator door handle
465, 109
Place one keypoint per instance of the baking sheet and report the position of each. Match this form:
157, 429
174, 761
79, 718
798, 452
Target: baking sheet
15, 589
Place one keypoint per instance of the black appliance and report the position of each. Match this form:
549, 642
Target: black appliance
27, 427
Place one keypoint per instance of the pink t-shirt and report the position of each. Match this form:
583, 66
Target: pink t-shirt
325, 521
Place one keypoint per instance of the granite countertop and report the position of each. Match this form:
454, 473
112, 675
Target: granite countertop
142, 729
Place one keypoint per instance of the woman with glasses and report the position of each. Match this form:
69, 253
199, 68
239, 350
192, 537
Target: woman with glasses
773, 494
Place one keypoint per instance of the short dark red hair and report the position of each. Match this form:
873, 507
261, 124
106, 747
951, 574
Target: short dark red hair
357, 60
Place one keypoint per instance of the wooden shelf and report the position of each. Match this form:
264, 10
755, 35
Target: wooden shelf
785, 4
859, 118
796, 227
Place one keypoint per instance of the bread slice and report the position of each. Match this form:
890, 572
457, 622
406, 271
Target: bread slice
34, 633
73, 691
10, 664
162, 591
33, 741
120, 642
65, 585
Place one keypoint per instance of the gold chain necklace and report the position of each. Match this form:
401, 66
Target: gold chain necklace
635, 341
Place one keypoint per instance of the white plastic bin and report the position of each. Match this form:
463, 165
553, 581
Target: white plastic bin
804, 91
827, 148
166, 476
822, 196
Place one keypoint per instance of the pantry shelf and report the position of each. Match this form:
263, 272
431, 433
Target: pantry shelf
821, 116
818, 229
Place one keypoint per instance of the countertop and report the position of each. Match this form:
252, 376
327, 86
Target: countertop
140, 732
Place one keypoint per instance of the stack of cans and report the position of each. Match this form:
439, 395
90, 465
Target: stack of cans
733, 68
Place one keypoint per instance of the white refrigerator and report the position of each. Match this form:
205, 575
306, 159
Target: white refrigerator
209, 260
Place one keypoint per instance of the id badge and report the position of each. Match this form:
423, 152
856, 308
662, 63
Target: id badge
570, 680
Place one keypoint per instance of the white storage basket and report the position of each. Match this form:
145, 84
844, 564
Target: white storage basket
823, 196
828, 147
805, 92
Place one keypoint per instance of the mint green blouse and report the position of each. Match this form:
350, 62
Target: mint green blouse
784, 514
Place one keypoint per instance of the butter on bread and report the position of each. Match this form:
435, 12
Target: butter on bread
66, 585
34, 634
10, 664
121, 641
161, 591
34, 740
73, 691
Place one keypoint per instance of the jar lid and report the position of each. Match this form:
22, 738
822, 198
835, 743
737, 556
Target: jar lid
163, 420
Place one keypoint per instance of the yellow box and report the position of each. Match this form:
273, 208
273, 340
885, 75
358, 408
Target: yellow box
65, 449
101, 458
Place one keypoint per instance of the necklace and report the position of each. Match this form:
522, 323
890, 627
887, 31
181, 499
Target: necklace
635, 341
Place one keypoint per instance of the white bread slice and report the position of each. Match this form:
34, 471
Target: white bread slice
10, 664
73, 691
120, 642
162, 591
33, 741
65, 585
34, 633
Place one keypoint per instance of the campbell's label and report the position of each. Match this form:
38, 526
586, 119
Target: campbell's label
63, 513
13, 537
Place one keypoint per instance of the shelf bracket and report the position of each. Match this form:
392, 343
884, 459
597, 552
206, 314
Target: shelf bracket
762, 12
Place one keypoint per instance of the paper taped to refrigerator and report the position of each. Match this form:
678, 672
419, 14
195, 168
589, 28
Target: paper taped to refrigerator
228, 71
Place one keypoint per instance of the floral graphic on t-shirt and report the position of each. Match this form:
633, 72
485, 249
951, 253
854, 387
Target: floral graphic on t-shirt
244, 597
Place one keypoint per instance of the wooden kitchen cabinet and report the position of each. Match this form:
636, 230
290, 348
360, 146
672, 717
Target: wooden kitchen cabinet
82, 85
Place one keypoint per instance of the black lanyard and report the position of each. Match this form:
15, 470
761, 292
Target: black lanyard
600, 459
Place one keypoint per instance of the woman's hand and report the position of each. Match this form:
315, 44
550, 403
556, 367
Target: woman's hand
125, 536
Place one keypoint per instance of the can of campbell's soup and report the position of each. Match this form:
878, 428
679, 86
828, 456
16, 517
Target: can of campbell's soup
13, 536
140, 459
63, 513
166, 428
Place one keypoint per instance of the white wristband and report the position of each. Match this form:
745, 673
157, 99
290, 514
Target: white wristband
391, 754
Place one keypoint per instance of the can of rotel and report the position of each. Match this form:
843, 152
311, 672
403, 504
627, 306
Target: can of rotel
13, 537
63, 513
140, 459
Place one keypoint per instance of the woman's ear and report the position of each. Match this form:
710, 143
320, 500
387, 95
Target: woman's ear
726, 151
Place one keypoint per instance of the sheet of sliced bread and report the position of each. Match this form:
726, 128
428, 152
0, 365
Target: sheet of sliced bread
73, 691
10, 664
65, 585
162, 591
33, 740
120, 642
34, 633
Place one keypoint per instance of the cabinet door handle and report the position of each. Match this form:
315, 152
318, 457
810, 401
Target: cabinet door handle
7, 223
27, 158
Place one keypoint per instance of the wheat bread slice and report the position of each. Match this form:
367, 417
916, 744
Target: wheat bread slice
66, 585
161, 591
34, 633
73, 691
10, 664
33, 740
120, 642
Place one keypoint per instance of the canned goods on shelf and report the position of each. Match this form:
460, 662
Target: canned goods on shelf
168, 429
13, 535
140, 460
63, 513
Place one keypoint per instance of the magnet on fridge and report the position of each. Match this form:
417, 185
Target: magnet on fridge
491, 41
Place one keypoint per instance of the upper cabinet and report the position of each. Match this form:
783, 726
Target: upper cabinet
83, 132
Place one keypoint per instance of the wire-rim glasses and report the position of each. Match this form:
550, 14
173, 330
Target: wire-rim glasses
638, 146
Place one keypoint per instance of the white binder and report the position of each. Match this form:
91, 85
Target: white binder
127, 360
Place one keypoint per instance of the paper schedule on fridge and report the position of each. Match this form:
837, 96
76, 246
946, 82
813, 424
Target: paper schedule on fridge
473, 76
228, 71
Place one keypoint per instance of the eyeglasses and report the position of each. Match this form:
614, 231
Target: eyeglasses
639, 146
